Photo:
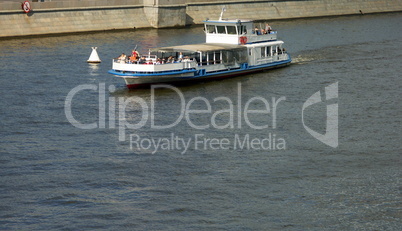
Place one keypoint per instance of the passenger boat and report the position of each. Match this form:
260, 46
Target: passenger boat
232, 48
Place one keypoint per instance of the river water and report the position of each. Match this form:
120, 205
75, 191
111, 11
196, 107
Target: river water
244, 161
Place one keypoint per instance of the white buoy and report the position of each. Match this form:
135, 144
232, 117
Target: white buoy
94, 57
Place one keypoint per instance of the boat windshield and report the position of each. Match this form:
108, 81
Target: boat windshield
222, 29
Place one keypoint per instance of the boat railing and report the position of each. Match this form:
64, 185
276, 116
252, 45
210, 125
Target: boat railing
265, 33
282, 55
123, 65
150, 59
145, 59
258, 36
210, 62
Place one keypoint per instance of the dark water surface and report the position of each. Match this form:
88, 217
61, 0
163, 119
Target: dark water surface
54, 175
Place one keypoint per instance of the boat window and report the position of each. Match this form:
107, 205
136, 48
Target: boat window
230, 57
227, 58
242, 29
221, 29
240, 56
209, 58
211, 29
218, 57
269, 51
263, 51
231, 29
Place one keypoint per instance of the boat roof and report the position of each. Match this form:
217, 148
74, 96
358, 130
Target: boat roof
202, 47
228, 21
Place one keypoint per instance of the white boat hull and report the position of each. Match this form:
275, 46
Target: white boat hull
133, 81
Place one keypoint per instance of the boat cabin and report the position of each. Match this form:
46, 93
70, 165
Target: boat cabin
237, 31
205, 53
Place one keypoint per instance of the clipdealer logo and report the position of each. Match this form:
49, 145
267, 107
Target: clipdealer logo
237, 113
330, 137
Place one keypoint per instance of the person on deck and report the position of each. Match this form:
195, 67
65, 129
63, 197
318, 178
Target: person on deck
257, 31
122, 58
135, 54
268, 28
170, 59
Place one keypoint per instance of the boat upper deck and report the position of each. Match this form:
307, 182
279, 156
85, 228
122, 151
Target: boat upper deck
237, 32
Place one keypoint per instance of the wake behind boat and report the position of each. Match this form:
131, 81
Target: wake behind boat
232, 48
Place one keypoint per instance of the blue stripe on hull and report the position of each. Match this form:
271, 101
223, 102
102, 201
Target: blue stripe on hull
241, 71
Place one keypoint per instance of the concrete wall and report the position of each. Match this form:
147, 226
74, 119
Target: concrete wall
165, 13
70, 16
257, 10
67, 16
15, 5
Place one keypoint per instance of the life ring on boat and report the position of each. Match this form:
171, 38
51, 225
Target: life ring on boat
26, 6
243, 39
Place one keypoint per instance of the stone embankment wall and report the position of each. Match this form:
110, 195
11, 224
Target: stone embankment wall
258, 10
67, 16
